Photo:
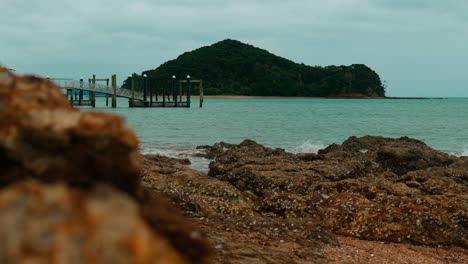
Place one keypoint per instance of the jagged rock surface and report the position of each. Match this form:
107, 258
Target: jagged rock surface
233, 218
396, 190
59, 224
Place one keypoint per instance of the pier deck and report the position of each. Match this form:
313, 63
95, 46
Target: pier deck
75, 92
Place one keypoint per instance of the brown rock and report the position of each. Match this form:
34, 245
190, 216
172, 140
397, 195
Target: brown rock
212, 151
348, 189
404, 154
42, 137
396, 155
233, 219
58, 224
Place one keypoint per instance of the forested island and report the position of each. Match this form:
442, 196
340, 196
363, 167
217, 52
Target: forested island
230, 67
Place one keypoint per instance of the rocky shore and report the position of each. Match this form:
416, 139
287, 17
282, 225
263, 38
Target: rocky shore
265, 205
73, 189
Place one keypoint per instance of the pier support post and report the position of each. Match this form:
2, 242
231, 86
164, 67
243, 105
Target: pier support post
107, 95
81, 91
130, 101
201, 94
145, 87
93, 94
114, 89
188, 90
71, 96
151, 97
164, 97
132, 85
174, 89
174, 98
181, 92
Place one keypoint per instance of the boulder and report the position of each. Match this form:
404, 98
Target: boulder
55, 223
397, 155
43, 138
396, 190
233, 219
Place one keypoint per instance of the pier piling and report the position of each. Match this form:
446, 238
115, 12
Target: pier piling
114, 89
81, 91
131, 82
188, 90
93, 94
151, 97
164, 97
145, 87
201, 94
174, 89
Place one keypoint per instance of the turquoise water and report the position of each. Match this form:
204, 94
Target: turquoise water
298, 125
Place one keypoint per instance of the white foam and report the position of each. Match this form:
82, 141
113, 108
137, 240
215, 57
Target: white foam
307, 147
197, 163
465, 152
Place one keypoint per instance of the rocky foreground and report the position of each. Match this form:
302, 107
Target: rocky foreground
264, 205
73, 189
70, 188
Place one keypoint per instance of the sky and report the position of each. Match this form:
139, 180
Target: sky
418, 47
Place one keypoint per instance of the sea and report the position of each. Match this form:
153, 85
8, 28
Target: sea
296, 125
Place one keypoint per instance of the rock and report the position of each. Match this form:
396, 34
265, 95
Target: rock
194, 191
398, 190
42, 223
396, 209
212, 151
396, 155
404, 154
355, 144
186, 237
43, 138
234, 219
462, 162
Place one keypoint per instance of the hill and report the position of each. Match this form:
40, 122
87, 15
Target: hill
231, 67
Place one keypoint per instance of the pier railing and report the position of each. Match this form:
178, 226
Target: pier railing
99, 88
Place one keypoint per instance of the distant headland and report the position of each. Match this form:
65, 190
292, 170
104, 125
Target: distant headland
230, 67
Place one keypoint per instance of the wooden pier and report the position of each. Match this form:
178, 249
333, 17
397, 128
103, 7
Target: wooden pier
149, 97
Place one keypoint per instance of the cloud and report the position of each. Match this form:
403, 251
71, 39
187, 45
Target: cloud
399, 39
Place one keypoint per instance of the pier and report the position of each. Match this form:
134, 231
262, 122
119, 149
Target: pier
177, 96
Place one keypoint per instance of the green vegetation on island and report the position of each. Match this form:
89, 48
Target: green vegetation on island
231, 67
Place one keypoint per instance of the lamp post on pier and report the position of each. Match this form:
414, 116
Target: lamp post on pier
174, 90
145, 87
188, 90
130, 85
81, 90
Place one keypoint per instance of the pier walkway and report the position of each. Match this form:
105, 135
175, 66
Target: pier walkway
169, 97
100, 88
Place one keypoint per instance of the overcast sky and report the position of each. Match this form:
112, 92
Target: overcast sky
419, 47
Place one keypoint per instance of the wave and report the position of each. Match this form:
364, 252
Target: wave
197, 163
307, 147
459, 153
464, 152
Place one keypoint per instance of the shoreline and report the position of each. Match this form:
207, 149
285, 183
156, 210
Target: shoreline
305, 97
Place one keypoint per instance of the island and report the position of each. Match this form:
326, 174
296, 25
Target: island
230, 67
